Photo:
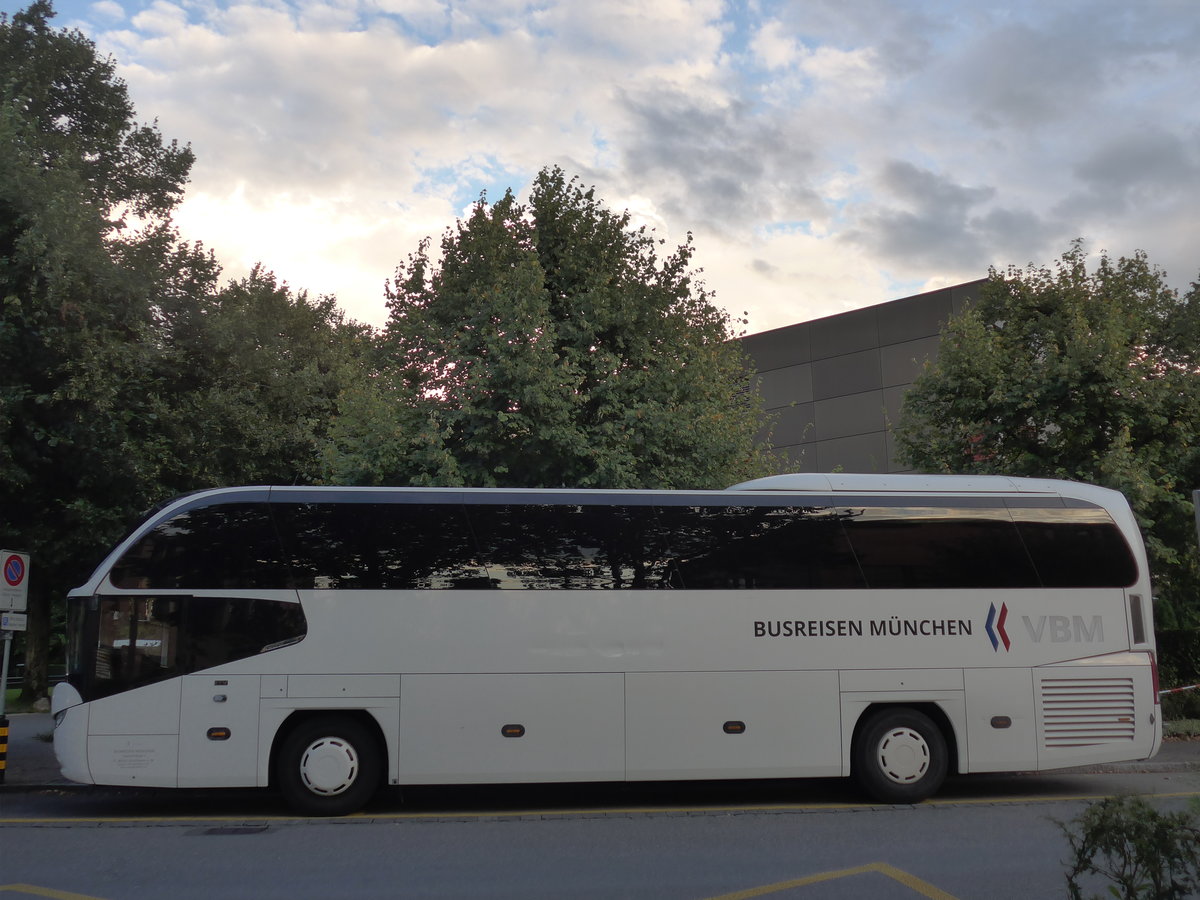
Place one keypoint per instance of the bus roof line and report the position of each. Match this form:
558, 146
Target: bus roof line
811, 482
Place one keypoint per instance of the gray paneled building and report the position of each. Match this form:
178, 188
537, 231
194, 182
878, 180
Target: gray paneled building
834, 386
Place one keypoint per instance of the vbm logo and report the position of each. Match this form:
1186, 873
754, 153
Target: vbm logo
1055, 629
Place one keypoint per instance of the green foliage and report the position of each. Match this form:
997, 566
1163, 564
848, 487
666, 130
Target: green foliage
248, 377
126, 373
76, 333
1178, 656
79, 116
15, 704
71, 317
1179, 666
551, 346
1183, 709
1092, 376
1141, 853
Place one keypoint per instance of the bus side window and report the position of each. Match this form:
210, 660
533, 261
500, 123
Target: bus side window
225, 545
225, 629
570, 547
137, 643
1076, 547
939, 547
379, 546
761, 547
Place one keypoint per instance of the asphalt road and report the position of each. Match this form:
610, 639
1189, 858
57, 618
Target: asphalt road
985, 840
984, 837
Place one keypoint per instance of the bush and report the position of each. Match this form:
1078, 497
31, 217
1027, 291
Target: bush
1145, 854
1179, 666
1178, 707
1178, 656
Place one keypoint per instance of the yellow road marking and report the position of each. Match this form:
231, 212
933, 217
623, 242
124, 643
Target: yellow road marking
922, 887
34, 891
1048, 798
567, 813
444, 814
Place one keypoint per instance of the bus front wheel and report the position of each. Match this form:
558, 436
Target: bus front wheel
329, 766
900, 756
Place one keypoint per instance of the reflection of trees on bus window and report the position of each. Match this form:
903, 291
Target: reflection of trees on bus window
379, 546
763, 547
564, 546
570, 547
137, 642
230, 545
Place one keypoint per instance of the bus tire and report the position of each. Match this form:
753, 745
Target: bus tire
899, 756
329, 766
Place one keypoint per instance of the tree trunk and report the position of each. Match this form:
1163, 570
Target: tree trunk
37, 646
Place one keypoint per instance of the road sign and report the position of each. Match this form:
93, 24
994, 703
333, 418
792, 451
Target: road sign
14, 581
10, 621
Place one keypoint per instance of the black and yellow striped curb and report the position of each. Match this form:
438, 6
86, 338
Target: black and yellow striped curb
3, 747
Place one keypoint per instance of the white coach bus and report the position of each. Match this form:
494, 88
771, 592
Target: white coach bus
329, 641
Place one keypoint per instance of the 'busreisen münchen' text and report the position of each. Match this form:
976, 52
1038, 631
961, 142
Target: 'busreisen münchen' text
892, 627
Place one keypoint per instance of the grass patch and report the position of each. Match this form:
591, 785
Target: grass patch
13, 703
1181, 728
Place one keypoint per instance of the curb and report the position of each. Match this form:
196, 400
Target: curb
1148, 767
32, 788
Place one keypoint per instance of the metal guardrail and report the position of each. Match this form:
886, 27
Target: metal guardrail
17, 678
1179, 690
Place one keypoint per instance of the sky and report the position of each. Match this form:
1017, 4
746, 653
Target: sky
826, 154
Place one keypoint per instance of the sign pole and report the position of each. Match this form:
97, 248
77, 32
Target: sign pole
6, 637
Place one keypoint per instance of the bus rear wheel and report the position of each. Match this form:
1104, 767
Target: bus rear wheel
900, 756
329, 766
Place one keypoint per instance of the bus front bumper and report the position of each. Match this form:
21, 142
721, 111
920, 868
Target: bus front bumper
70, 733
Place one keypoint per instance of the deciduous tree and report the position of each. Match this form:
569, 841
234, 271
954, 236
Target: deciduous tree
127, 373
551, 345
79, 116
248, 376
73, 342
1091, 375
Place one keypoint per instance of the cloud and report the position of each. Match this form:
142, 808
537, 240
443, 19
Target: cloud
717, 163
785, 277
900, 35
1136, 169
824, 154
774, 48
108, 9
920, 219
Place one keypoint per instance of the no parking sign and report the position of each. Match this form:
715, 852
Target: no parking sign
14, 581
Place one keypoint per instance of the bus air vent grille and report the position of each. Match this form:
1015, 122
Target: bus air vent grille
1081, 712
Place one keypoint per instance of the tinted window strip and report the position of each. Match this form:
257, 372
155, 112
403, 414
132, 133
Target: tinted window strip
564, 546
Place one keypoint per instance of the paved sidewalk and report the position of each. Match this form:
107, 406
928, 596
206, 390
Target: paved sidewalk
31, 762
